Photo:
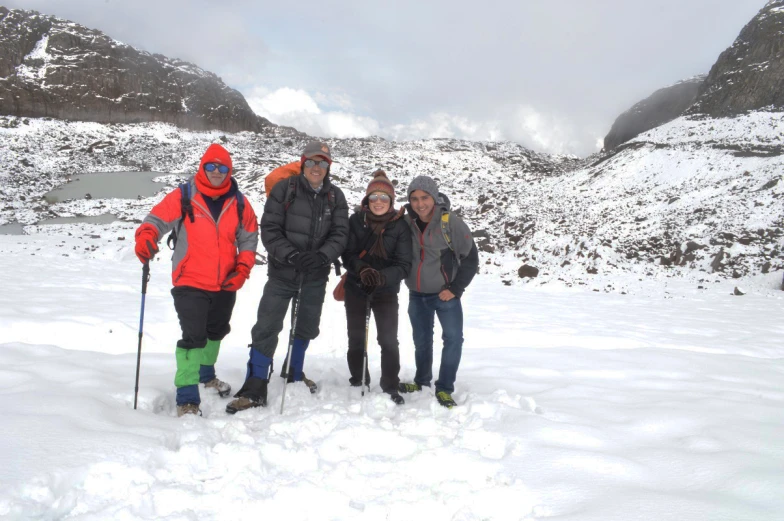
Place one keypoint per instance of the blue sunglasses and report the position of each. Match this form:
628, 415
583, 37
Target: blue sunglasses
210, 167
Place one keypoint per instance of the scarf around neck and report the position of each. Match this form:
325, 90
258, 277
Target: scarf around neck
378, 224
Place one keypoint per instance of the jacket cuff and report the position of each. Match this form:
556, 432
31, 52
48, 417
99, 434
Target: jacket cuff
456, 290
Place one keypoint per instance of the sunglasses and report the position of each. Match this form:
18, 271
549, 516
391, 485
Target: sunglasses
310, 163
384, 198
210, 167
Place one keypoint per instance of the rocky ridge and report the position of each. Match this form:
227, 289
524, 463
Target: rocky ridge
51, 67
659, 108
749, 75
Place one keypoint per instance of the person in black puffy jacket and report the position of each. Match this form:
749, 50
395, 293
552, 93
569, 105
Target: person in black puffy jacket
304, 229
377, 259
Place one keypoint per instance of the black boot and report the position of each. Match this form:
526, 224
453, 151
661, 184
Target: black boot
396, 398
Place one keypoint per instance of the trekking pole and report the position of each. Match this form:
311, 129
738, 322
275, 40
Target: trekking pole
295, 313
367, 334
145, 278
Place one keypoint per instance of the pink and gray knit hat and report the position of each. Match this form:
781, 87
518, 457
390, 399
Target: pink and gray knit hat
381, 183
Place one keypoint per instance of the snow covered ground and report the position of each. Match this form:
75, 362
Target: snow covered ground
573, 405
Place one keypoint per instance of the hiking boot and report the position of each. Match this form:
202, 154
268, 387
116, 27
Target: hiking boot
312, 386
220, 386
188, 408
396, 398
252, 394
445, 399
243, 402
408, 388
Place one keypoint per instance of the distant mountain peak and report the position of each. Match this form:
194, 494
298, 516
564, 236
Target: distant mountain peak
51, 67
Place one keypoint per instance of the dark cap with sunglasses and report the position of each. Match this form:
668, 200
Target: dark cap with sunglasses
317, 149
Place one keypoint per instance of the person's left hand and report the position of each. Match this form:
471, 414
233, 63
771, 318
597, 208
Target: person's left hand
236, 278
311, 260
446, 295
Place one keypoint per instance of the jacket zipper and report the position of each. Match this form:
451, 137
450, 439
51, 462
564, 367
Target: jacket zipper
217, 232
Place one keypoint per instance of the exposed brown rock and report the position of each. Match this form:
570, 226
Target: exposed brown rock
51, 67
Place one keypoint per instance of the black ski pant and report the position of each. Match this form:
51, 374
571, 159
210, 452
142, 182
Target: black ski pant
385, 310
273, 306
203, 314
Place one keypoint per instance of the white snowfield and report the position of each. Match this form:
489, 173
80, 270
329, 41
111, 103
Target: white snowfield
573, 405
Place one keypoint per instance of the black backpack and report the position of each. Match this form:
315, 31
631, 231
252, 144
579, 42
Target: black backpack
187, 211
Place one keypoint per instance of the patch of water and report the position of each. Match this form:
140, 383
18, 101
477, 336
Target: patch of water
11, 229
105, 218
107, 185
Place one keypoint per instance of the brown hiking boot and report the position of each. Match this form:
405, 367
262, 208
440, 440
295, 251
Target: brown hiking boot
220, 386
242, 403
252, 394
188, 408
312, 386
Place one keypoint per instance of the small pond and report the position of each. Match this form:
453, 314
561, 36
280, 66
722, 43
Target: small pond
107, 185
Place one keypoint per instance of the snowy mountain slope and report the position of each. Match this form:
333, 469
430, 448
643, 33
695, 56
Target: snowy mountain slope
666, 204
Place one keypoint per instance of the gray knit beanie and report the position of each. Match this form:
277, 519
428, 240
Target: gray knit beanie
424, 183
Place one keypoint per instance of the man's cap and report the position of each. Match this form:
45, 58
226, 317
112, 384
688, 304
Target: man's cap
317, 149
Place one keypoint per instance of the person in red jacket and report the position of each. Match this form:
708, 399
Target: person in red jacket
215, 249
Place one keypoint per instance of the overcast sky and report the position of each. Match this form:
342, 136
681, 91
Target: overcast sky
552, 75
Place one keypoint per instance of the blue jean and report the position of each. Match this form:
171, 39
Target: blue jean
422, 309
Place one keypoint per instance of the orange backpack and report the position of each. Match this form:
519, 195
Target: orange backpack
282, 172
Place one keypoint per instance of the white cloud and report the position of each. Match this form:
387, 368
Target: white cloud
522, 123
296, 108
579, 64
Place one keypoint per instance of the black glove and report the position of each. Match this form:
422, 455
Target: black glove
308, 261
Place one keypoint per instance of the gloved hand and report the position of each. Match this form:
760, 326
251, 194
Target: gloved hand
146, 239
308, 261
236, 278
370, 277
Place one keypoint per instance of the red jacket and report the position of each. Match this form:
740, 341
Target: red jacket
207, 250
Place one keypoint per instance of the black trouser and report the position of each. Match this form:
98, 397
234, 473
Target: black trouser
385, 311
203, 314
273, 307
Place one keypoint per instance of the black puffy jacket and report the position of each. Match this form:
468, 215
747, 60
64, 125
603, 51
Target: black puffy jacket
309, 224
397, 243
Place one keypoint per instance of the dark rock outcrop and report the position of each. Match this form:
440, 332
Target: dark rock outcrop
51, 67
527, 271
749, 75
662, 106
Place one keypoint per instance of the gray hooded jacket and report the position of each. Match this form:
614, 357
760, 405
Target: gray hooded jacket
435, 266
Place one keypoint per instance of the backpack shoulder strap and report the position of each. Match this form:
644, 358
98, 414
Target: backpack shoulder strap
185, 201
187, 211
447, 233
240, 208
291, 193
445, 230
332, 198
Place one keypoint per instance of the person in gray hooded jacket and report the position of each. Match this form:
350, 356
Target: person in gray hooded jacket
445, 261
